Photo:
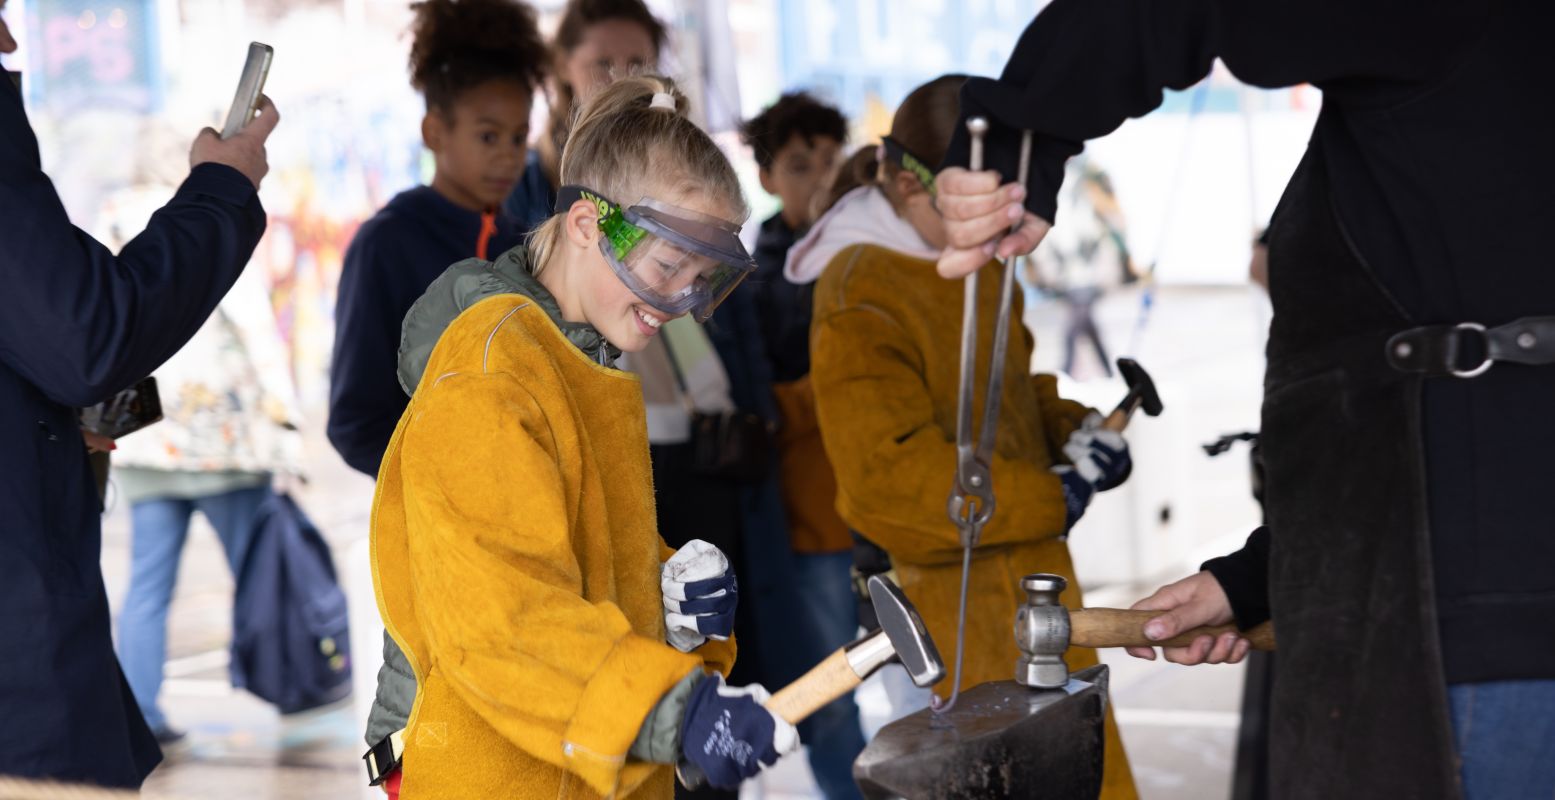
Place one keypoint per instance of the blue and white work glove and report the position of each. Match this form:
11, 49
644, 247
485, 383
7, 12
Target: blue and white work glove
730, 735
1077, 494
1099, 455
700, 595
1101, 462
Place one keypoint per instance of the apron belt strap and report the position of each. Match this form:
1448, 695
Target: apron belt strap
1468, 349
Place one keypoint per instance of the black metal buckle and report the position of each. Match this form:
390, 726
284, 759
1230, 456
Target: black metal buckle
381, 760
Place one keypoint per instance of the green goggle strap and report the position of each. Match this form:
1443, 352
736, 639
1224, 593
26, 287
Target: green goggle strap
621, 234
911, 163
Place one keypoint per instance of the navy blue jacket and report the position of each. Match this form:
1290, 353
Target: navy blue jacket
740, 345
532, 201
391, 261
782, 308
76, 325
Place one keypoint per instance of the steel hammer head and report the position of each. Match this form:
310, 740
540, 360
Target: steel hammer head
902, 625
1042, 633
1141, 390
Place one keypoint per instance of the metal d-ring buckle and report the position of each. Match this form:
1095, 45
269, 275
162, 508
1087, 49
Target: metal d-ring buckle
1484, 366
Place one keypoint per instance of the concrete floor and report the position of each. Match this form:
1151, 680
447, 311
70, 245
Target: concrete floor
1179, 724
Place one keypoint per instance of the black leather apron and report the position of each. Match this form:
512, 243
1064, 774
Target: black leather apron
1360, 704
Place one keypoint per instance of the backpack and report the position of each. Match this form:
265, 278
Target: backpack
291, 642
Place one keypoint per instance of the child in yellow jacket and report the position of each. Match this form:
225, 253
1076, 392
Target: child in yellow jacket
885, 365
559, 650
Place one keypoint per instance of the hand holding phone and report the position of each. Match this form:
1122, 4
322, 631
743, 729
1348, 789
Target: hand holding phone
245, 149
251, 87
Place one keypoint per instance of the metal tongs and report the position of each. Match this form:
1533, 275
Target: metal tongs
971, 503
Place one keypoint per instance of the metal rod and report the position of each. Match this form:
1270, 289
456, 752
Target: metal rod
955, 688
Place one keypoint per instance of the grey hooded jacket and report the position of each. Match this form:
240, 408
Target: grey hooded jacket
462, 286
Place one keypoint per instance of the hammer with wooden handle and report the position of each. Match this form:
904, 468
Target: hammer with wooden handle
1044, 630
901, 637
1141, 396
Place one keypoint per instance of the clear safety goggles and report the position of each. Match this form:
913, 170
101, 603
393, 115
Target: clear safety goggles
673, 259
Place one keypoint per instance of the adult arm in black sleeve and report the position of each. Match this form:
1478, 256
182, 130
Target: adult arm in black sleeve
79, 322
1084, 66
1244, 577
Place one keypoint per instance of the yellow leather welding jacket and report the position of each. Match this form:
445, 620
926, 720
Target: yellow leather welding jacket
516, 561
885, 362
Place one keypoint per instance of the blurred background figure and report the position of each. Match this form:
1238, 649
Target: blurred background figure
230, 427
596, 42
1085, 259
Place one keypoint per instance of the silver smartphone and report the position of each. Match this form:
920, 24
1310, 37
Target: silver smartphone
250, 86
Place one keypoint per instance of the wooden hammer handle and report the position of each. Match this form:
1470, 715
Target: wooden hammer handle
826, 682
1119, 418
1116, 627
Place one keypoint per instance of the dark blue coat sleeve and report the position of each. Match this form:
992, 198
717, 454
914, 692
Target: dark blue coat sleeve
365, 398
79, 322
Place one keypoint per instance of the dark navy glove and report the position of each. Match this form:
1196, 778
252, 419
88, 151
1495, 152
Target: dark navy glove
709, 609
1099, 455
1077, 494
729, 734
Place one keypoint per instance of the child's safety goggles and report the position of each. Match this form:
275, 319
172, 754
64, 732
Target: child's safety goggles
673, 259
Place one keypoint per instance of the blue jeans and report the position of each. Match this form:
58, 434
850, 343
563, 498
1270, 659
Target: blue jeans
1505, 733
832, 734
159, 528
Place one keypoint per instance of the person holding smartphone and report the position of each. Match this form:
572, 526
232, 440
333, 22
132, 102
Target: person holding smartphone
77, 324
